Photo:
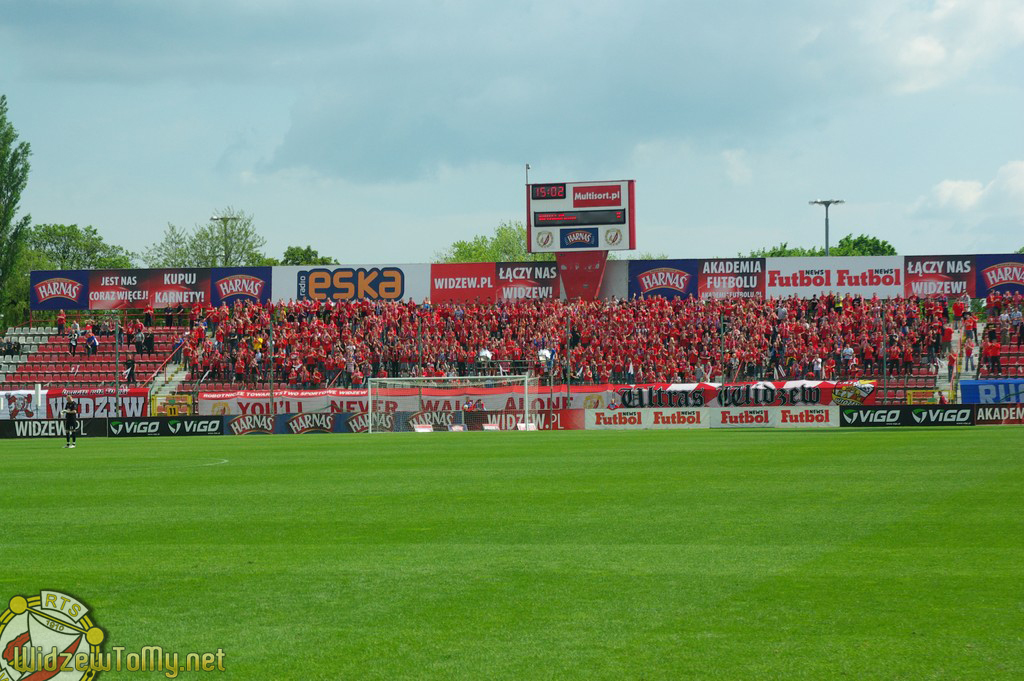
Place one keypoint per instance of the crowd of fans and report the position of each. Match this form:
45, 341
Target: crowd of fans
9, 348
1005, 327
641, 340
86, 336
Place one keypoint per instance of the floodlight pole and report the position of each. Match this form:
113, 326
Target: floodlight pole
826, 203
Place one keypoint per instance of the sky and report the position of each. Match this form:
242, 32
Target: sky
381, 132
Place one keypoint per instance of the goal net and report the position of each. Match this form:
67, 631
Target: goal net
451, 403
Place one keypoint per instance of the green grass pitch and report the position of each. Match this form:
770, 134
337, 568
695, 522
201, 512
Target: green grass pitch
838, 554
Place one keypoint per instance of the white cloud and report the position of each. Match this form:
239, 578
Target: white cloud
737, 167
1003, 195
961, 195
922, 46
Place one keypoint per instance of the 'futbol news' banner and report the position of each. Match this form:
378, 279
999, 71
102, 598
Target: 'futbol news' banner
659, 419
806, 277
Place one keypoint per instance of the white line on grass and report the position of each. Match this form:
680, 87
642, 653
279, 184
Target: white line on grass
218, 462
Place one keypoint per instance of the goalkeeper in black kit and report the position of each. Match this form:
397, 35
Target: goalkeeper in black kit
70, 421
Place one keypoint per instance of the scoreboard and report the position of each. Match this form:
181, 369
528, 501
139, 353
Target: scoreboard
581, 216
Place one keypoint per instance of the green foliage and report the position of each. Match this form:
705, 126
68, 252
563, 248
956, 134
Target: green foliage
507, 245
295, 255
1020, 250
647, 255
863, 245
16, 310
229, 239
783, 250
848, 245
70, 247
171, 251
14, 169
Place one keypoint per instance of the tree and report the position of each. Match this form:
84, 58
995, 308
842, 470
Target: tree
863, 245
507, 245
848, 245
70, 247
229, 239
294, 255
647, 255
171, 251
14, 169
1020, 250
17, 307
784, 250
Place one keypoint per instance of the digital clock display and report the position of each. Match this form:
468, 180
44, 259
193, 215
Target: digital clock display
539, 192
580, 217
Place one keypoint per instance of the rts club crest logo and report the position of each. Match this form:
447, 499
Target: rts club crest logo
49, 636
545, 239
19, 405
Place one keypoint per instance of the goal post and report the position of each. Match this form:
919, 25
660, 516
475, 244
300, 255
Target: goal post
451, 403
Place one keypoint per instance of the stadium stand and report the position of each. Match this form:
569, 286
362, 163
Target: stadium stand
1001, 342
642, 340
901, 342
47, 358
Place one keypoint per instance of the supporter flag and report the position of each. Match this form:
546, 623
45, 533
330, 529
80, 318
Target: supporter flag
582, 273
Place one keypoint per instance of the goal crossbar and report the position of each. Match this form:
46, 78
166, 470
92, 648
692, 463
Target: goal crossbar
401, 403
